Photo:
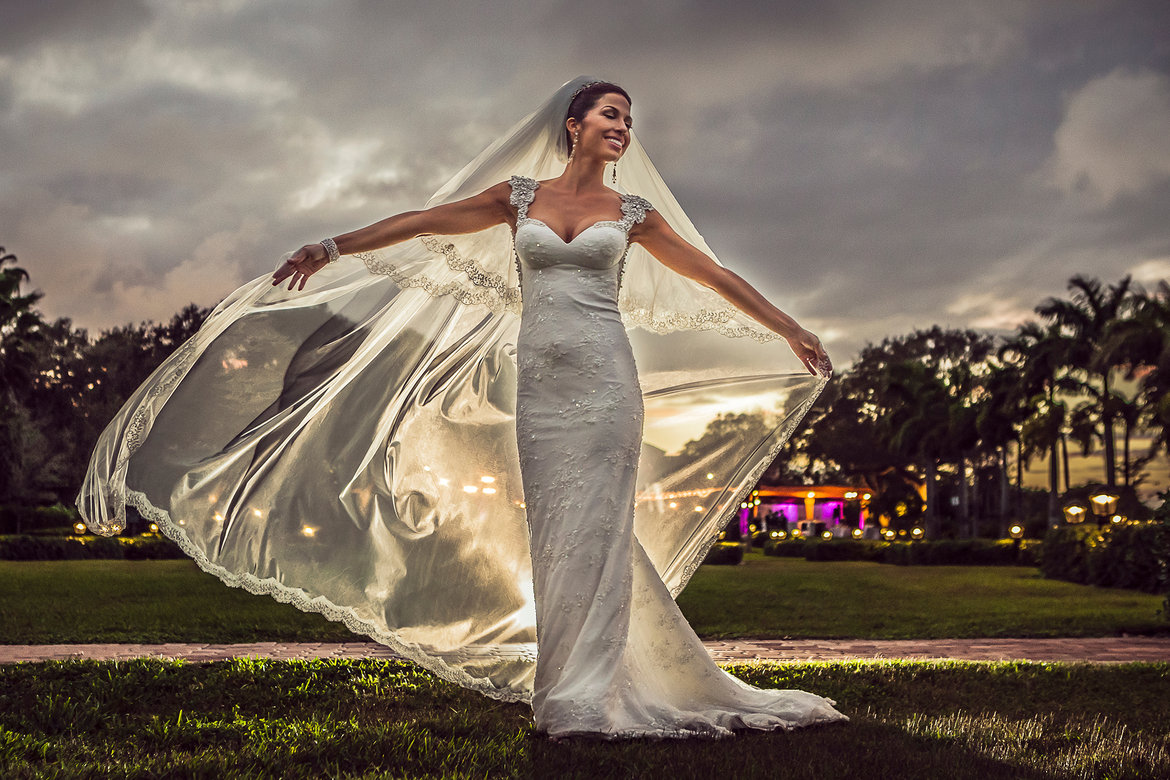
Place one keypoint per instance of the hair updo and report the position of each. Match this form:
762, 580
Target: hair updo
584, 102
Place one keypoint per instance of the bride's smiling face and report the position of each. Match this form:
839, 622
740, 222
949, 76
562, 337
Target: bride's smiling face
605, 128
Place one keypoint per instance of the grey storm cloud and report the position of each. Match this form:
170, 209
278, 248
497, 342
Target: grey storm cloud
870, 167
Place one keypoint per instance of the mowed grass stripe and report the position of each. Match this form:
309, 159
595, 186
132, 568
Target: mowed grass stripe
172, 601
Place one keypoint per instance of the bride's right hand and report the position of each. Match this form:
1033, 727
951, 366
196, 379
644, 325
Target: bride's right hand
303, 263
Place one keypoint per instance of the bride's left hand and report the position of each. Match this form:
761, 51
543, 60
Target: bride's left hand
303, 263
811, 353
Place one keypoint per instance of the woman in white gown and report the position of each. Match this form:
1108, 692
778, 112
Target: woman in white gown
402, 523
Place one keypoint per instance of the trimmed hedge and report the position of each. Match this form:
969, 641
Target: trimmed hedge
947, 552
59, 548
1128, 555
725, 554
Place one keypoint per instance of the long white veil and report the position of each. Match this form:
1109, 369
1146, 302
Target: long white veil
350, 449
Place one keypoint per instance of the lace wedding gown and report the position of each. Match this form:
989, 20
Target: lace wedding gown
374, 447
615, 657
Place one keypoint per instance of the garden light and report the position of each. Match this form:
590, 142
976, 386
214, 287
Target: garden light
154, 528
888, 533
917, 533
1016, 531
1116, 519
856, 533
1103, 504
827, 535
79, 528
1074, 513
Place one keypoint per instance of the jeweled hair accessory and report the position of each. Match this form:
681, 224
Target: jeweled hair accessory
582, 88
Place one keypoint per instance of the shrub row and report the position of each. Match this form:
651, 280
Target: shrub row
1129, 555
946, 552
58, 548
16, 519
725, 554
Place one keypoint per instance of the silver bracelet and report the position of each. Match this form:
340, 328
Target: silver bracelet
331, 249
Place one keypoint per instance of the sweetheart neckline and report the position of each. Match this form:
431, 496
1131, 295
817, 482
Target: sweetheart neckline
615, 223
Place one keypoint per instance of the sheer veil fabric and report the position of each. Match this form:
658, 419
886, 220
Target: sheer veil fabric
351, 448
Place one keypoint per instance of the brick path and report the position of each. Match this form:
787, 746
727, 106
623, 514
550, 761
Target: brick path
1094, 649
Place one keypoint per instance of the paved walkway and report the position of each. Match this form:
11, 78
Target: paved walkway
1095, 649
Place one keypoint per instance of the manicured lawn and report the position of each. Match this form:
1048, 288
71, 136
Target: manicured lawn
386, 719
786, 597
172, 601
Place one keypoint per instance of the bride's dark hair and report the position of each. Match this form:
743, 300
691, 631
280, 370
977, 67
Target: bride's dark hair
586, 99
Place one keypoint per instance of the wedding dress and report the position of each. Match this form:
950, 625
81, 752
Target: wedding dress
376, 447
615, 657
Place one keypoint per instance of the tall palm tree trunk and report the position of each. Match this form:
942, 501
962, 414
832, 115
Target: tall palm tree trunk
1019, 475
1107, 433
1064, 460
1125, 455
964, 497
1053, 485
1004, 492
931, 499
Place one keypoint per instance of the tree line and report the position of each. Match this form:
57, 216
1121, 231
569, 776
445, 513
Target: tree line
961, 413
60, 385
931, 416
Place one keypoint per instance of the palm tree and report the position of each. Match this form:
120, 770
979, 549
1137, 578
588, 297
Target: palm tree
918, 424
1002, 410
21, 337
1140, 344
1085, 318
1042, 356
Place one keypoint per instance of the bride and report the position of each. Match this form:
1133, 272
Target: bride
445, 442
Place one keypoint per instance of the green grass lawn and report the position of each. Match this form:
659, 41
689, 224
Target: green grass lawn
792, 597
44, 602
251, 719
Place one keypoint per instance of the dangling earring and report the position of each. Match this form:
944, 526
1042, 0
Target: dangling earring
573, 151
615, 171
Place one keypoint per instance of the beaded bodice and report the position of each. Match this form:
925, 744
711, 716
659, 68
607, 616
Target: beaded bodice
599, 246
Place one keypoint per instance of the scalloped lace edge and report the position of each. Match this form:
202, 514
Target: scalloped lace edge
753, 476
319, 604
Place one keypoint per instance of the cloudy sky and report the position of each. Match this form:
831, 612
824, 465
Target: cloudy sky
871, 166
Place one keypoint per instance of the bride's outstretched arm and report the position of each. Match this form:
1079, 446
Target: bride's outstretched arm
673, 251
488, 208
